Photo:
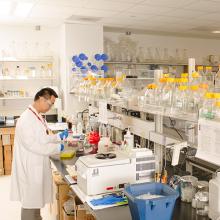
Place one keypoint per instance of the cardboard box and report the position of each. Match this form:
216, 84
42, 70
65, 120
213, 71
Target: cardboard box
7, 152
7, 165
81, 212
1, 153
7, 172
1, 164
10, 130
62, 189
2, 171
67, 217
6, 139
90, 217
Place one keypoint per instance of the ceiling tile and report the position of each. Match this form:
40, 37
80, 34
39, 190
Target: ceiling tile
47, 11
107, 5
169, 3
74, 3
204, 5
93, 12
134, 16
168, 19
126, 1
212, 17
146, 9
124, 21
181, 13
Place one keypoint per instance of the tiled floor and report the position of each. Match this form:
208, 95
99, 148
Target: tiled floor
11, 210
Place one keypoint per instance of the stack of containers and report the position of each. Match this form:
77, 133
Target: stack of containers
6, 150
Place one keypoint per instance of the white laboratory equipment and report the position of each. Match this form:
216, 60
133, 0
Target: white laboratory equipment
129, 140
208, 141
214, 197
98, 176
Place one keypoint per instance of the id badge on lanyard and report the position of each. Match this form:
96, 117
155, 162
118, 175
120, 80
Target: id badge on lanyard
43, 122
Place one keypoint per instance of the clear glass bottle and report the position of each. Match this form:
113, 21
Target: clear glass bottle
179, 101
151, 94
210, 78
217, 106
207, 110
217, 80
201, 72
167, 92
194, 99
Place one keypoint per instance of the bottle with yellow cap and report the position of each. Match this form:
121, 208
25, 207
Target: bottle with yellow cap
167, 92
200, 70
179, 101
217, 80
210, 78
207, 110
216, 108
150, 95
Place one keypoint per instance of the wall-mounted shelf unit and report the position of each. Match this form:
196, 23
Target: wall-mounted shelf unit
21, 78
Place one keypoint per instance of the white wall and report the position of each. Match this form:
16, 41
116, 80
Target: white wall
77, 38
19, 36
196, 47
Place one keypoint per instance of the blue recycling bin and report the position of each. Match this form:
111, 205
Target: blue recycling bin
160, 208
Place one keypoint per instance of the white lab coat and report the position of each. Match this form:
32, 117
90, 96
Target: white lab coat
31, 181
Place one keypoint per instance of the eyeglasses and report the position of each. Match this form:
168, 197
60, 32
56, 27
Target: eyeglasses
50, 104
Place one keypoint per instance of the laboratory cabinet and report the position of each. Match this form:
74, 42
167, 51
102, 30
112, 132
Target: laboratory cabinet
60, 190
6, 149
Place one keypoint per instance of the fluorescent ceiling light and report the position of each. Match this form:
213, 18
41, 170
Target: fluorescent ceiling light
216, 32
5, 8
23, 9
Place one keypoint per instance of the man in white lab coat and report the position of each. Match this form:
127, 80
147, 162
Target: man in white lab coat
31, 182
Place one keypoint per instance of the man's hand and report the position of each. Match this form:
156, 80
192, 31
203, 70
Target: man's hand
63, 135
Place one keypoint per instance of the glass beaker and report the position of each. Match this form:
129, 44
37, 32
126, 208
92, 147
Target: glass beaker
188, 188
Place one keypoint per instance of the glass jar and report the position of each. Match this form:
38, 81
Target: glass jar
188, 188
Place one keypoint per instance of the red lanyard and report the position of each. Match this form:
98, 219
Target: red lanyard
43, 122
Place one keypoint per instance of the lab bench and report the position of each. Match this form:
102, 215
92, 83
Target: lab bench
6, 126
182, 210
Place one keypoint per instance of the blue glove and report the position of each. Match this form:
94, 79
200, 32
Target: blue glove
64, 134
108, 200
61, 147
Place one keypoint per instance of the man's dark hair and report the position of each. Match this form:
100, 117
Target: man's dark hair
46, 93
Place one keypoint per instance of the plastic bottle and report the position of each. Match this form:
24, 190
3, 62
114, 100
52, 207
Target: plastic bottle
214, 197
129, 140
